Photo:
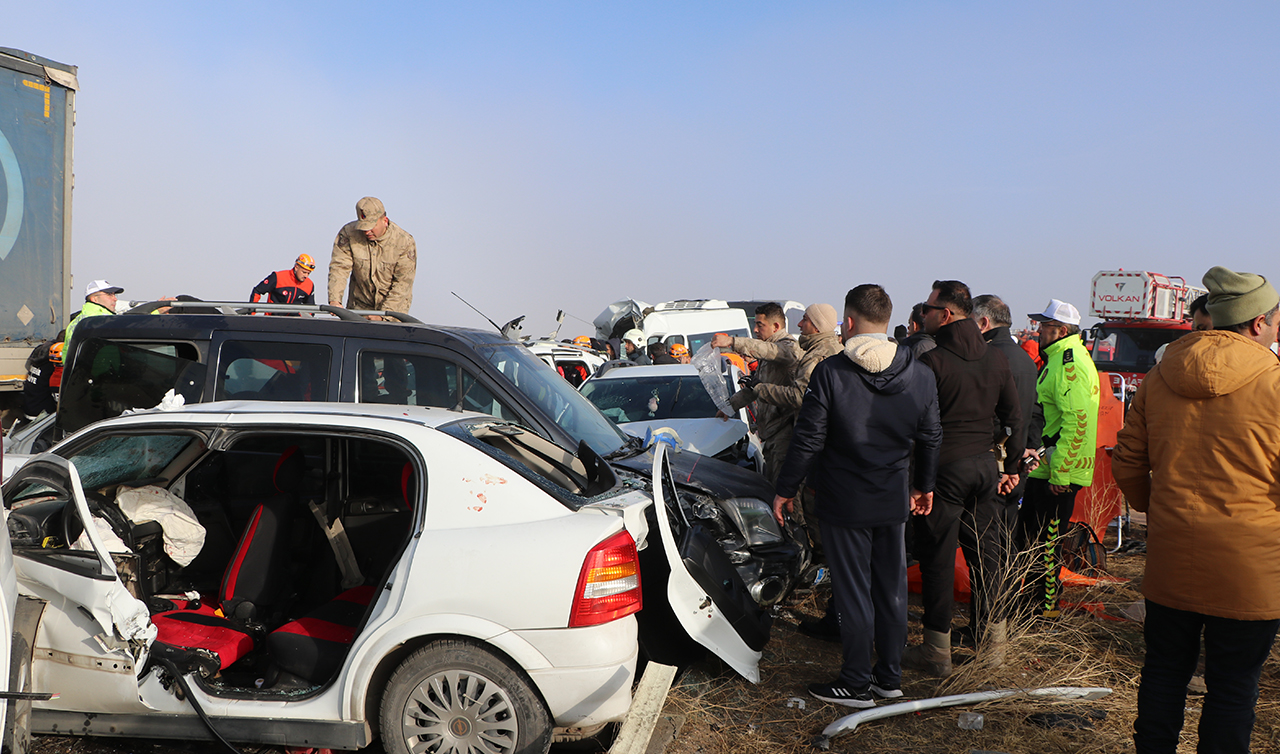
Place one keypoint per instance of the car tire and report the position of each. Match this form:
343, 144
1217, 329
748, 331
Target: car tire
452, 693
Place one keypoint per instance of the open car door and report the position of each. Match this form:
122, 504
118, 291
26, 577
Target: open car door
56, 564
705, 592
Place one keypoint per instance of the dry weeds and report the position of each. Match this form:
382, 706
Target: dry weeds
726, 714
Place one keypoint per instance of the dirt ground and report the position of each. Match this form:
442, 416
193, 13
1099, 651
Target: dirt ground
714, 711
723, 713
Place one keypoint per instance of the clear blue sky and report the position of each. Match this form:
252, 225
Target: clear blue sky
564, 155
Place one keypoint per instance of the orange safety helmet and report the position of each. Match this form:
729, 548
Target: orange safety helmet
678, 350
55, 353
737, 361
582, 340
306, 262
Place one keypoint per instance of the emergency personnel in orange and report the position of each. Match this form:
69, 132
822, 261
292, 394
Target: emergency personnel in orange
293, 286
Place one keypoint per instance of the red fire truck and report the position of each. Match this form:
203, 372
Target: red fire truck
1141, 311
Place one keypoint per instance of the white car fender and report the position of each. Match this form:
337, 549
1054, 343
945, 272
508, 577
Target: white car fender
376, 645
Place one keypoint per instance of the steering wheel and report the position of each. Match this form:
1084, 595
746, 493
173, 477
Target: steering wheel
72, 526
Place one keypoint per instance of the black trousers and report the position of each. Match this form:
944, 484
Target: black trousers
966, 510
1044, 517
869, 589
1234, 652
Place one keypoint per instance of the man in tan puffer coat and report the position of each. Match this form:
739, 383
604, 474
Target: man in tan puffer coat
1200, 454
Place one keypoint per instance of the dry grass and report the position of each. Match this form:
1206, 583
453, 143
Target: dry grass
727, 714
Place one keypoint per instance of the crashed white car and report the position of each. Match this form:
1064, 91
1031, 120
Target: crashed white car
643, 400
324, 574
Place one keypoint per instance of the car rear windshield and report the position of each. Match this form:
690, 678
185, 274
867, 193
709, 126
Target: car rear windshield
698, 340
632, 399
556, 398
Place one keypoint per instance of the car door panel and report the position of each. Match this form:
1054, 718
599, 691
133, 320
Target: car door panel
701, 615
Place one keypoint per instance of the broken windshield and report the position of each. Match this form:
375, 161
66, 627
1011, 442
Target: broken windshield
652, 398
556, 398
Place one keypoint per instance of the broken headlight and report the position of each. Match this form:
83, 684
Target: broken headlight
754, 519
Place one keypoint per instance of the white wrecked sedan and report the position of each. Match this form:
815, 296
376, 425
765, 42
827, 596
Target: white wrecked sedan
323, 575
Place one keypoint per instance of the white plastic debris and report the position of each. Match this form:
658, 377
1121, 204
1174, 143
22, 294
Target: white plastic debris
796, 702
1055, 693
707, 362
171, 401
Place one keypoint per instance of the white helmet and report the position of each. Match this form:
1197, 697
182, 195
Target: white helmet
636, 337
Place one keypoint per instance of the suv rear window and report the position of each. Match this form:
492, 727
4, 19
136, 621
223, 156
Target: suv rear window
265, 371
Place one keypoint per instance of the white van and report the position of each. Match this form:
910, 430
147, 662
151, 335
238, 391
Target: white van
694, 322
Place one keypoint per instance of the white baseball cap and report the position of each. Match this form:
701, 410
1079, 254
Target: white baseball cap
1058, 311
101, 286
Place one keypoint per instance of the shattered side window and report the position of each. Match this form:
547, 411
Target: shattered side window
127, 458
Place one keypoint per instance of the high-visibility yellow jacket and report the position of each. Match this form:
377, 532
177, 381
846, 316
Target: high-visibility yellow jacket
1068, 390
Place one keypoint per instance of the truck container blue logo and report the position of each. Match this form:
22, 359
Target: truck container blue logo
13, 207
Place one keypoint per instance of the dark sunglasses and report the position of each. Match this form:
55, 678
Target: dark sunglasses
932, 307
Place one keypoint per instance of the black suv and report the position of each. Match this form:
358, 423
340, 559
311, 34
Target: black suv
218, 351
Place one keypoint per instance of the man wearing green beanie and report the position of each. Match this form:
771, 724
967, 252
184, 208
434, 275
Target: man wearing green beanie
1200, 454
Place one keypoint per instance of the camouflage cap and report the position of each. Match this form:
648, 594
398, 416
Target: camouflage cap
369, 211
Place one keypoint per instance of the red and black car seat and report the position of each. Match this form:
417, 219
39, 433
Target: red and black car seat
313, 647
256, 577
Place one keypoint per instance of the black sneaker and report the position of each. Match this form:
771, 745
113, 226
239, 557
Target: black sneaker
885, 690
838, 693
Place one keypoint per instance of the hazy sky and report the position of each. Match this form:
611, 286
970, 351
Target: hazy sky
564, 155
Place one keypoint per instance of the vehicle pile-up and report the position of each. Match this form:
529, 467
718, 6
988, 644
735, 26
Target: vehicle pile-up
485, 557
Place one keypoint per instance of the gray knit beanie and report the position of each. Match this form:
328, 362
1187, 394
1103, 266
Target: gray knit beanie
1236, 297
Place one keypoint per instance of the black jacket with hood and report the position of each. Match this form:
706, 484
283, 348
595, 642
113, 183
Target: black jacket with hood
861, 414
974, 385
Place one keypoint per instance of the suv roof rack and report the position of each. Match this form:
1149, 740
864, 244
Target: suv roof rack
230, 308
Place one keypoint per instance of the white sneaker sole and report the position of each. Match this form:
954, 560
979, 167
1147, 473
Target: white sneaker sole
846, 701
886, 693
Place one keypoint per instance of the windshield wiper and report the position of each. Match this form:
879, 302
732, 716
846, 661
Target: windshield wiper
634, 446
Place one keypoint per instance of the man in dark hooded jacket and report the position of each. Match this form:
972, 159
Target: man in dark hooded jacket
863, 412
975, 387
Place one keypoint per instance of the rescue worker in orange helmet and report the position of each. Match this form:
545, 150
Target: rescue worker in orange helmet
293, 286
679, 352
583, 341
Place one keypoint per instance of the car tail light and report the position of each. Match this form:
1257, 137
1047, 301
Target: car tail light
609, 585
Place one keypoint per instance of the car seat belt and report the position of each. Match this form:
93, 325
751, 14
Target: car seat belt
341, 546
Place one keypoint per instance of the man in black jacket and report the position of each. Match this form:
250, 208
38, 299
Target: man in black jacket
975, 388
994, 320
862, 412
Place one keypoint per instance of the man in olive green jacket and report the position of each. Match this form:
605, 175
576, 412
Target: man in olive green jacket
379, 258
777, 353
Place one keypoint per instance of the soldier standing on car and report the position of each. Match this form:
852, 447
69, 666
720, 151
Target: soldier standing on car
777, 353
380, 259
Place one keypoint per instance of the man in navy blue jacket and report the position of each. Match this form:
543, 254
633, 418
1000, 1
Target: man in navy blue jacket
864, 412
